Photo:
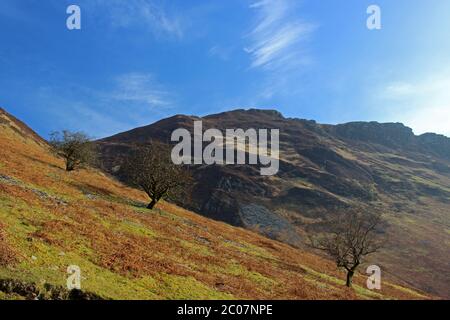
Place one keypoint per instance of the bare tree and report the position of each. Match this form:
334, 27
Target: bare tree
353, 237
150, 168
76, 148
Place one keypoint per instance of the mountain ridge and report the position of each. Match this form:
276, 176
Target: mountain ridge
273, 113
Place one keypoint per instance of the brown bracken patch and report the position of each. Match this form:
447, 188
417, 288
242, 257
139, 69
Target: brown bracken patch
7, 255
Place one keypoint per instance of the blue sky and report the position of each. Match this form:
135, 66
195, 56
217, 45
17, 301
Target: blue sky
137, 61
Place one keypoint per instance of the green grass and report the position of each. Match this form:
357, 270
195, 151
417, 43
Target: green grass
51, 267
409, 291
6, 296
51, 262
317, 283
426, 182
157, 211
324, 276
236, 269
249, 249
360, 291
197, 248
184, 288
135, 228
367, 294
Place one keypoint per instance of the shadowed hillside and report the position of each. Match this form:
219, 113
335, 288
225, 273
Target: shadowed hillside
324, 170
50, 219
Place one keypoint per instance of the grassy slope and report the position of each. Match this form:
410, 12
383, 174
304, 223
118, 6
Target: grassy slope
50, 219
418, 247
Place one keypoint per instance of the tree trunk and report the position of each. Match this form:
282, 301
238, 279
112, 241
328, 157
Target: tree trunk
152, 204
70, 166
349, 278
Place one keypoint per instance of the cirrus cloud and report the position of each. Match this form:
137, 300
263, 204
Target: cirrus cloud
151, 14
278, 37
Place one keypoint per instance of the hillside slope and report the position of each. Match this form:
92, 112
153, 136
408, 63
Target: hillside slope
325, 169
50, 219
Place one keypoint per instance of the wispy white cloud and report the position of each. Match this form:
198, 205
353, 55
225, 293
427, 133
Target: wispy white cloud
221, 52
79, 113
278, 38
424, 104
133, 99
140, 88
398, 90
148, 13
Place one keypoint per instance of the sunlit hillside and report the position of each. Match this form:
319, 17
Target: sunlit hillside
50, 219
